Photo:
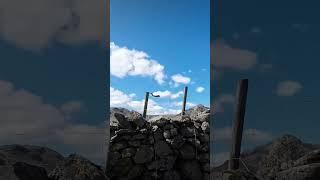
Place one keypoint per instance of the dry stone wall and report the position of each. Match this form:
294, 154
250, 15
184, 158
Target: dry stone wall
170, 148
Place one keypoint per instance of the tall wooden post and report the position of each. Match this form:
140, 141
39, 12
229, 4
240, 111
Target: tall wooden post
184, 100
145, 105
238, 124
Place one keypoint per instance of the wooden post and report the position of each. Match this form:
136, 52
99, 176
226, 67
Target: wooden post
145, 105
238, 124
184, 100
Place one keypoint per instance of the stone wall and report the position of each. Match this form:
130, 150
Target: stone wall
162, 148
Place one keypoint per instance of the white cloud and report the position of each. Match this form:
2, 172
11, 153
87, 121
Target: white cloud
227, 57
27, 119
221, 101
168, 94
200, 89
118, 98
249, 135
130, 62
179, 104
180, 79
288, 88
34, 24
121, 99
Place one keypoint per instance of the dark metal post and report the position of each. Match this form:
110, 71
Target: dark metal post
145, 105
238, 124
184, 100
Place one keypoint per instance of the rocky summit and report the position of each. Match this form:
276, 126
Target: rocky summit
286, 158
170, 147
25, 162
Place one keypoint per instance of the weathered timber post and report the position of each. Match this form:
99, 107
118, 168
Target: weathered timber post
145, 105
184, 100
242, 90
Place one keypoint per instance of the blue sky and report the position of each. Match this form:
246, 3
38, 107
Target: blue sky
175, 36
275, 45
52, 79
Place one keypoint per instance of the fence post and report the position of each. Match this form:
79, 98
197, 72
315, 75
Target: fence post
242, 90
145, 105
184, 100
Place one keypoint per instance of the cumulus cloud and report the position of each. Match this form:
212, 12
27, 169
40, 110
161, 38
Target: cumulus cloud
180, 79
249, 135
34, 24
168, 94
200, 89
130, 62
288, 88
227, 57
26, 118
121, 99
179, 104
221, 101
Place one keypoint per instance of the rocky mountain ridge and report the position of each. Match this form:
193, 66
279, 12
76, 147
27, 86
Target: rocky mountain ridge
285, 158
26, 162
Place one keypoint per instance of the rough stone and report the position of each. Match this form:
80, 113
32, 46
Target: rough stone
120, 121
205, 127
187, 131
144, 154
128, 152
137, 119
190, 170
162, 149
166, 134
187, 151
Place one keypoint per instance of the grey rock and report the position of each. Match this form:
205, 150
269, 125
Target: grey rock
187, 131
120, 120
144, 154
139, 137
190, 170
121, 168
174, 132
77, 167
204, 138
137, 119
171, 175
166, 134
113, 158
205, 127
163, 164
162, 149
204, 157
187, 151
119, 146
134, 143
177, 142
206, 167
136, 172
128, 152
